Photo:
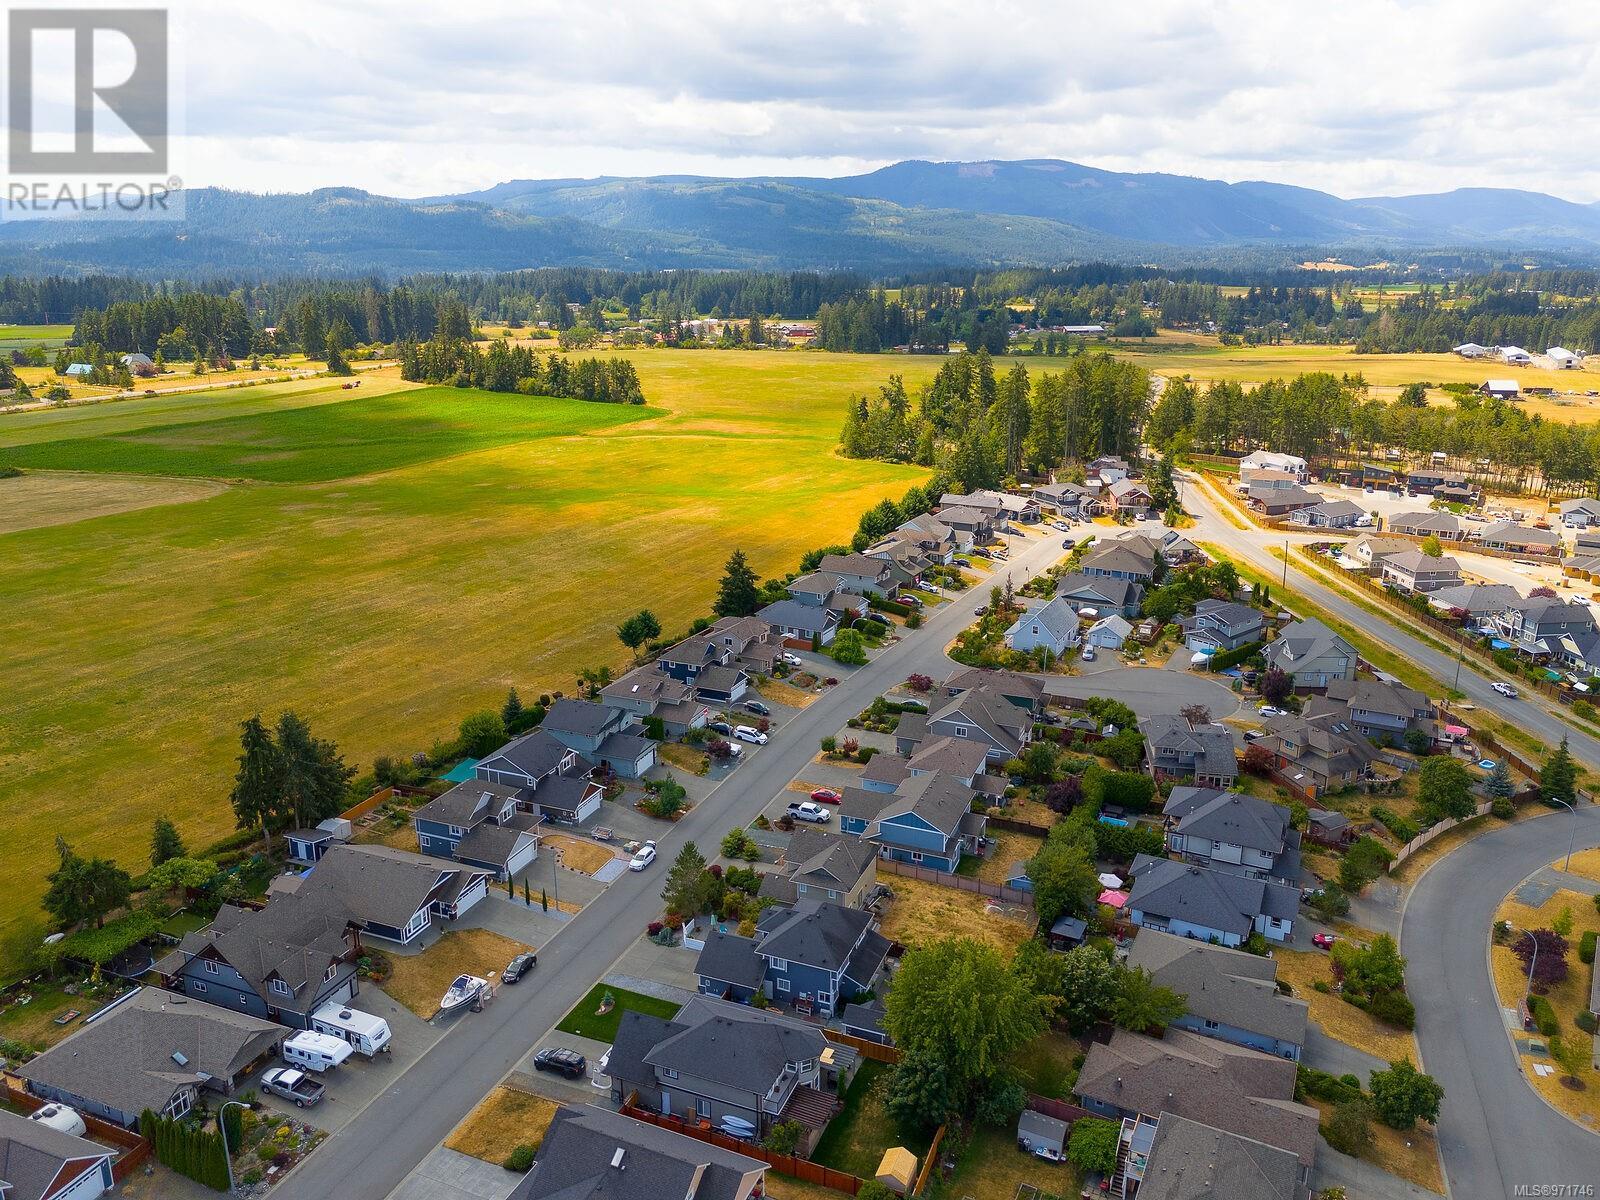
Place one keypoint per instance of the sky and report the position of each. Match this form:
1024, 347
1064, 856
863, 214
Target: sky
1360, 97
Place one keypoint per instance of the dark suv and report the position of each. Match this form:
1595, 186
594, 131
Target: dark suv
562, 1061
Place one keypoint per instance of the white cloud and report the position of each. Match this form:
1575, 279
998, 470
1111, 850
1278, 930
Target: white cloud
1357, 98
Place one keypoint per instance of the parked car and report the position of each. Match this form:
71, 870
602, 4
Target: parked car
721, 727
562, 1061
913, 601
1505, 689
293, 1085
755, 706
1087, 655
1068, 543
983, 610
1270, 710
643, 857
792, 660
1324, 940
518, 967
747, 733
826, 796
805, 810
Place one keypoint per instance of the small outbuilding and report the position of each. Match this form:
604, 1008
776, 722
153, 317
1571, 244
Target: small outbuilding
897, 1170
1045, 1137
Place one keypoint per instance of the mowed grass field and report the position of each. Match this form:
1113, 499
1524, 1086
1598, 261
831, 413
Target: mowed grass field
387, 565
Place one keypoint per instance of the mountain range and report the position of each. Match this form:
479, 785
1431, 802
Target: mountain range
902, 217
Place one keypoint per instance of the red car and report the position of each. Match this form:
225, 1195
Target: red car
1324, 940
826, 796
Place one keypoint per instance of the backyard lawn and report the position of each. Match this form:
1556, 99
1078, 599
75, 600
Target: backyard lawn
1008, 849
419, 980
925, 912
856, 1139
35, 1023
505, 1119
585, 1019
992, 1168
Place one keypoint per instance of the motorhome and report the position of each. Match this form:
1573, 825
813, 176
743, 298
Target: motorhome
365, 1033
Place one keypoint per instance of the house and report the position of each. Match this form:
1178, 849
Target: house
592, 1153
929, 535
971, 526
811, 955
1330, 514
1477, 600
1267, 479
1535, 626
927, 821
1377, 709
1580, 652
1459, 493
1280, 502
1189, 1160
151, 1049
1000, 505
1069, 499
479, 823
962, 758
1108, 633
1500, 389
1563, 359
280, 963
1053, 626
1171, 545
1108, 468
1580, 513
1231, 1088
1222, 625
797, 623
40, 1163
1129, 497
749, 643
391, 894
648, 693
823, 866
1442, 525
858, 574
1415, 571
1266, 460
1426, 481
139, 363
1516, 355
1520, 539
1321, 751
1228, 831
1221, 906
715, 1060
1231, 994
1311, 654
1370, 549
1120, 560
1022, 691
979, 713
1201, 754
527, 761
1100, 593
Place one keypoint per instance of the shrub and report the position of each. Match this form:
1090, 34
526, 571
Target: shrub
1320, 1085
1395, 1008
520, 1160
1402, 829
1502, 808
1586, 1022
1093, 1144
1544, 1017
1586, 946
1349, 1129
784, 1137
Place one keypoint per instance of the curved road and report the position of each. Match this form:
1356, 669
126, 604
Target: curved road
1495, 1132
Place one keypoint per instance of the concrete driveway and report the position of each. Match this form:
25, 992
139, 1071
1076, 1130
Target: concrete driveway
449, 1175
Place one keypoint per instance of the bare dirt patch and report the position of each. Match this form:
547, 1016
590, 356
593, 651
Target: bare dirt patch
577, 854
505, 1119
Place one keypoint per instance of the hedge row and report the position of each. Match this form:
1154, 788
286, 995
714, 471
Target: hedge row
1224, 659
889, 606
1544, 1017
1586, 946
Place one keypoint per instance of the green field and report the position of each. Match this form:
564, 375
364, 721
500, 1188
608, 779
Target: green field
429, 551
21, 337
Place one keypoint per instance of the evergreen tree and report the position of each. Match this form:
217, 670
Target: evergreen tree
1499, 784
1558, 778
511, 711
737, 594
334, 354
258, 782
165, 842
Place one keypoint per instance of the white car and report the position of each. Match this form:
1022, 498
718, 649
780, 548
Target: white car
792, 659
806, 810
643, 858
1270, 710
747, 733
1087, 655
1505, 689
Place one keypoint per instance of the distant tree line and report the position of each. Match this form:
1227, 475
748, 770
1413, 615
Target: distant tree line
507, 368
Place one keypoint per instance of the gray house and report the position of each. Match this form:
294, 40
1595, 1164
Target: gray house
811, 955
527, 761
591, 1153
1311, 654
1414, 571
40, 1163
981, 714
1477, 600
717, 1060
822, 866
151, 1049
1442, 525
1230, 994
1520, 539
1378, 709
1222, 625
927, 820
480, 824
1211, 905
646, 692
1121, 560
859, 574
1199, 754
794, 622
1186, 1155
1101, 593
1052, 626
1232, 832
1330, 514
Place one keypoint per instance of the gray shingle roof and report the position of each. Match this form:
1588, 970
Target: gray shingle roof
939, 799
125, 1057
383, 886
1058, 618
582, 1144
533, 754
1098, 589
1305, 641
581, 717
295, 939
1169, 735
625, 746
734, 1045
471, 800
791, 614
1191, 1161
33, 1157
729, 958
1230, 817
1231, 987
565, 793
828, 860
813, 933
1209, 899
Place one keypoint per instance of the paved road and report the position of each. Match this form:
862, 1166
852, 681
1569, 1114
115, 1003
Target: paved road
1253, 547
376, 1150
1495, 1133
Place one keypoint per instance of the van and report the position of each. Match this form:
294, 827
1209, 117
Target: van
365, 1033
315, 1051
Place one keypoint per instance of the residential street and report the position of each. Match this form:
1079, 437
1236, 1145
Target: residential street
376, 1150
1495, 1133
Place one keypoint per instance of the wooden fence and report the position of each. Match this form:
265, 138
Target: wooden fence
995, 891
377, 800
132, 1149
785, 1164
876, 1051
1011, 825
928, 1160
1059, 1109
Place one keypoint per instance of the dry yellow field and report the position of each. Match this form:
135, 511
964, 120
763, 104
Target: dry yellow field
1303, 968
925, 912
42, 498
1413, 1154
419, 980
505, 1119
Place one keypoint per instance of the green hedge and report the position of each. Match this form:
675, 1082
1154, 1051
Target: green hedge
1402, 829
889, 606
1320, 1085
1544, 1017
1586, 946
1232, 658
187, 1150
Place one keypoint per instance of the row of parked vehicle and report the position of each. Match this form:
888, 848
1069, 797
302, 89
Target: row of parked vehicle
336, 1033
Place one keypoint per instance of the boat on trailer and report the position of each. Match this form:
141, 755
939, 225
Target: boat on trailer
463, 993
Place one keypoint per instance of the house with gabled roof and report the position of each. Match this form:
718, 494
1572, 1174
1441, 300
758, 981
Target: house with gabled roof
1230, 994
927, 820
816, 865
41, 1163
1202, 754
961, 758
1120, 560
795, 622
715, 1059
749, 641
1222, 625
1580, 513
929, 535
151, 1049
980, 713
1415, 571
812, 955
1052, 626
971, 526
1100, 593
1519, 539
1319, 751
1311, 654
1445, 526
1069, 499
859, 574
1330, 514
1025, 691
1232, 832
1222, 906
1477, 600
1376, 709
1129, 497
1280, 502
1535, 626
648, 693
592, 1153
528, 760
479, 824
1189, 1160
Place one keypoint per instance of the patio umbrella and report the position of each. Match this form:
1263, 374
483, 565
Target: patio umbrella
1113, 897
1108, 880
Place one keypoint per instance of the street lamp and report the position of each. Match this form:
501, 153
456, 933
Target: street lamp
1573, 837
222, 1127
1532, 959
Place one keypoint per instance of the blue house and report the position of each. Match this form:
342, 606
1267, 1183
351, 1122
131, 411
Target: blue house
811, 955
927, 820
960, 758
480, 824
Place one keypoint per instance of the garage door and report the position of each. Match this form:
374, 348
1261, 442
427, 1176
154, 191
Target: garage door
522, 857
472, 895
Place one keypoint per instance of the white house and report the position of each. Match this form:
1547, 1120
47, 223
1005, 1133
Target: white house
1563, 359
1266, 460
1580, 513
1109, 633
1053, 626
1515, 354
